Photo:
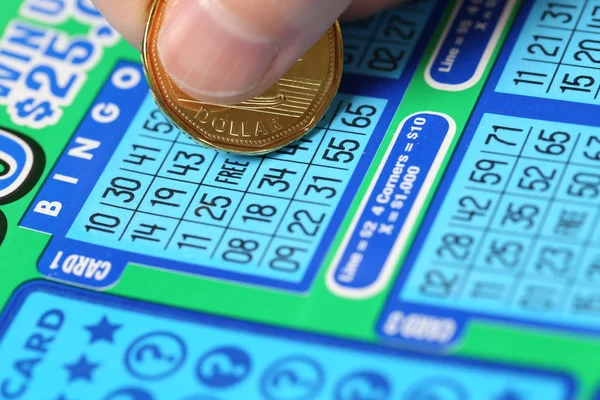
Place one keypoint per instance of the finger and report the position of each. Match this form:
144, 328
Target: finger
226, 51
363, 8
126, 16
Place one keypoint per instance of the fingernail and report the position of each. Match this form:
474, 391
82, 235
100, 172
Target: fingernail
206, 53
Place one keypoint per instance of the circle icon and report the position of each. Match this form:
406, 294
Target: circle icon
155, 355
199, 397
292, 378
438, 389
223, 367
363, 385
129, 393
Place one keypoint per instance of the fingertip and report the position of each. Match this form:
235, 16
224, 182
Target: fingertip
218, 51
207, 57
127, 17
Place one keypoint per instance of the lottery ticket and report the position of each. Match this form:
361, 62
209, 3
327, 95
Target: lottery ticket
437, 236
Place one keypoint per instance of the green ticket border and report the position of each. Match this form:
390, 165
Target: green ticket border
318, 310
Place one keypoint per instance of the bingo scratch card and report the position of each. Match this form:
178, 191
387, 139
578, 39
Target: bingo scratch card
436, 236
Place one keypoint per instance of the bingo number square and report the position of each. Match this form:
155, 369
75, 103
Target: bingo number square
160, 196
518, 234
557, 54
383, 44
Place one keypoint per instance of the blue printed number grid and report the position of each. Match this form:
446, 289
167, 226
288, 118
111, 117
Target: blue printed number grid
557, 55
163, 195
518, 234
382, 44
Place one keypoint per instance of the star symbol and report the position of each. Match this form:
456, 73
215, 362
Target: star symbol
103, 330
509, 395
82, 369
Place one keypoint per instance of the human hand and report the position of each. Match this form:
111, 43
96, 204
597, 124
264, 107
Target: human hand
228, 51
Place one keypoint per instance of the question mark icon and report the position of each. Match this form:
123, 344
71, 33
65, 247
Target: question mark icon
289, 377
151, 351
363, 385
155, 355
223, 366
293, 378
437, 389
129, 393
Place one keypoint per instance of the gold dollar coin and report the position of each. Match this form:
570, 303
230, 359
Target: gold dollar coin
285, 112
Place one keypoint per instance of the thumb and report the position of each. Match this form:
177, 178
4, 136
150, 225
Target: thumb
227, 51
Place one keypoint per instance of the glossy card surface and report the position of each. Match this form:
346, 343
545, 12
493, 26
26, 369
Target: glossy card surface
437, 236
